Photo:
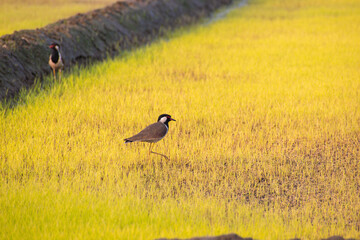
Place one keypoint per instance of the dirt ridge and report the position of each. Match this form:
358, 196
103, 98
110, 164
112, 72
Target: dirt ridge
93, 36
233, 236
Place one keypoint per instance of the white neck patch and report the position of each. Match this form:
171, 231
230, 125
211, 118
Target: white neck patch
57, 48
163, 119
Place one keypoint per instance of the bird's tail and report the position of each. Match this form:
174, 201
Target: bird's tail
127, 141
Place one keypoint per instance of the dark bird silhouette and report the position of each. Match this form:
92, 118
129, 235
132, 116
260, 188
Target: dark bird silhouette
55, 60
153, 133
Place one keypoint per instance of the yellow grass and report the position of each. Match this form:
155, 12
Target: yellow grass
266, 142
16, 15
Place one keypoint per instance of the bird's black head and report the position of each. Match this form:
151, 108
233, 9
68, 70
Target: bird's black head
165, 118
55, 46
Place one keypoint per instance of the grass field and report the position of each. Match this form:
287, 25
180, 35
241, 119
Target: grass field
16, 15
266, 142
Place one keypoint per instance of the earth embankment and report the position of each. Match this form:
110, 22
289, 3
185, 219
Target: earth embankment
93, 36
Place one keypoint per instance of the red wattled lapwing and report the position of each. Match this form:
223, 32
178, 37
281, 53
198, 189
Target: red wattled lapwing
153, 133
55, 60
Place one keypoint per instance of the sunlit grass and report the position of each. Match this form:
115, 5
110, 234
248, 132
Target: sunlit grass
266, 142
17, 15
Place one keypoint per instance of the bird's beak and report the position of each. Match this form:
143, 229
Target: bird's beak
51, 46
171, 119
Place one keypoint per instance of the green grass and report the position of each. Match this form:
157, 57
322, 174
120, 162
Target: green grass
266, 142
16, 15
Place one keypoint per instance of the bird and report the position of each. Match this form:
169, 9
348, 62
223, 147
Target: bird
55, 60
153, 133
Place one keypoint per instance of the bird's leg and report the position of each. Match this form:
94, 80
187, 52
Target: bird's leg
159, 154
60, 75
54, 74
150, 148
151, 145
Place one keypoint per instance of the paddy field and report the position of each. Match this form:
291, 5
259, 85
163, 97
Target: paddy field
266, 142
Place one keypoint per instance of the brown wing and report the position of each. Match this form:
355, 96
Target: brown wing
152, 133
59, 65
